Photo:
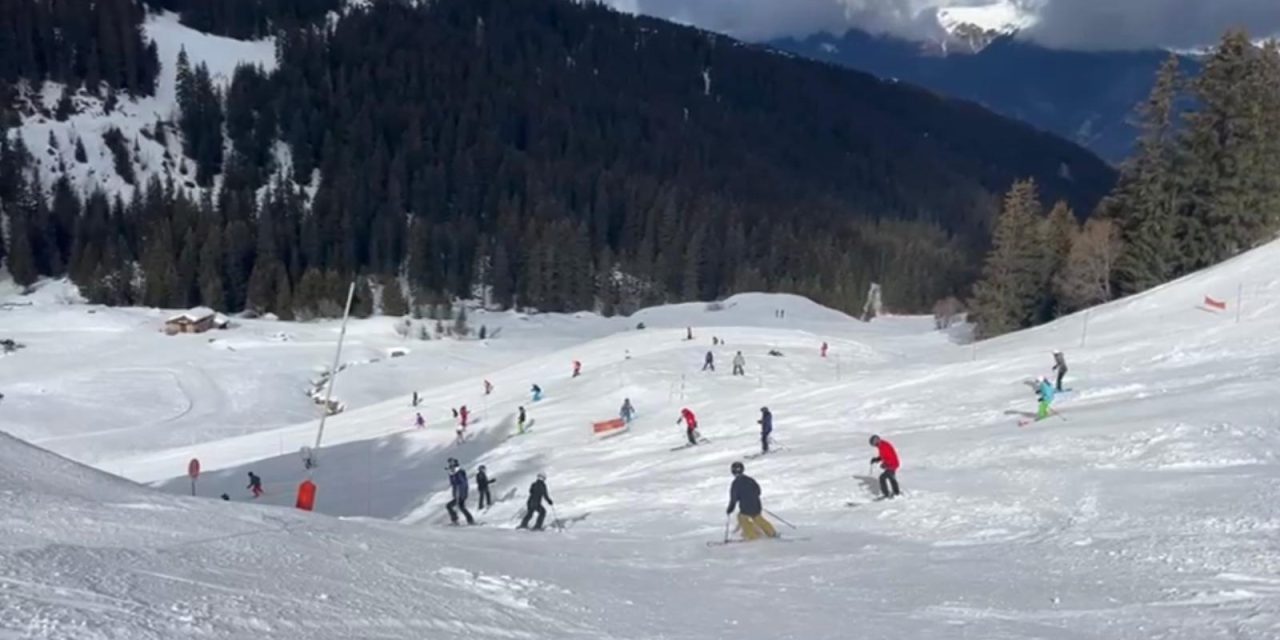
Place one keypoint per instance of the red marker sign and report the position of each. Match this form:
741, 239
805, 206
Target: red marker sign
193, 470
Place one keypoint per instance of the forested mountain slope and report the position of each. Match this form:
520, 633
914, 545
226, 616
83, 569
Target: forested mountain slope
560, 154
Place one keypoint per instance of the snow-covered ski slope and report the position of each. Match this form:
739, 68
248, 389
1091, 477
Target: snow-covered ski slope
1147, 510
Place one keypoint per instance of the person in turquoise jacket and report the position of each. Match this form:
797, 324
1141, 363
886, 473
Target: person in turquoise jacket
1046, 393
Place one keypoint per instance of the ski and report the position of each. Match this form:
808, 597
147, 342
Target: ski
779, 538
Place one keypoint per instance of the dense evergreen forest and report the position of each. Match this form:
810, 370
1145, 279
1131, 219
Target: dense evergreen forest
1202, 186
558, 154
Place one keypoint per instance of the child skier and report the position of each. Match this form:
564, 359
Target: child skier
766, 428
627, 412
739, 364
537, 392
1045, 393
887, 457
1059, 367
744, 494
521, 419
463, 415
709, 362
255, 484
824, 349
537, 493
577, 368
482, 487
419, 421
690, 424
488, 387
458, 484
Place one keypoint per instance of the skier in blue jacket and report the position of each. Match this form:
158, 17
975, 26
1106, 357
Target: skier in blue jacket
458, 483
1045, 393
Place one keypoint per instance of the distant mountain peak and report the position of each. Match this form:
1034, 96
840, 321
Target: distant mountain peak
973, 27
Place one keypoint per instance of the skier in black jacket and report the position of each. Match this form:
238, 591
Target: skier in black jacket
1060, 366
482, 487
744, 494
537, 493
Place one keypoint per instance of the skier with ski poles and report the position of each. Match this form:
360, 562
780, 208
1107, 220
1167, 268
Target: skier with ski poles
255, 485
766, 428
739, 365
744, 494
537, 493
627, 412
482, 487
709, 362
690, 424
458, 484
1045, 393
887, 458
1059, 367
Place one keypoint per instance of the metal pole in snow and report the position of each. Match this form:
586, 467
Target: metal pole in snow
1084, 333
333, 371
1239, 300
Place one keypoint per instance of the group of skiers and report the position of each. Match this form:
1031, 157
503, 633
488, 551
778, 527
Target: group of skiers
459, 488
739, 363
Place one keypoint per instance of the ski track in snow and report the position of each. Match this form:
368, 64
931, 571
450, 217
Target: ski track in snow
1146, 510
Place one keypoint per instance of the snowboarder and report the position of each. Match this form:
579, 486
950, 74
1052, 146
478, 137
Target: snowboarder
766, 428
1045, 393
739, 364
482, 487
488, 387
627, 412
537, 493
744, 494
824, 349
255, 484
458, 483
709, 362
420, 421
1060, 367
887, 457
521, 420
577, 368
690, 424
537, 392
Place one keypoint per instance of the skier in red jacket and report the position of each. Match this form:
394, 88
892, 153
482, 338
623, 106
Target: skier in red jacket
888, 459
690, 424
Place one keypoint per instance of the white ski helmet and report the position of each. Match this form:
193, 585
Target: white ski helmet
542, 476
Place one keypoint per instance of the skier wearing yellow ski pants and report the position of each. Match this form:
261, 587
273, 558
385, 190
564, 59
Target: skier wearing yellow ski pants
744, 494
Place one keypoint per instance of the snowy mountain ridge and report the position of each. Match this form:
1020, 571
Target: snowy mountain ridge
976, 26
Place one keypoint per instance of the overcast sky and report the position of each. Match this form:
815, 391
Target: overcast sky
1086, 24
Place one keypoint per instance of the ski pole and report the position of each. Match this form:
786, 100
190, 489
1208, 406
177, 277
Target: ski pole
1051, 410
556, 515
780, 519
726, 528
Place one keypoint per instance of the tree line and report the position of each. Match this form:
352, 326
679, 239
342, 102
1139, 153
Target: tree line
547, 154
1201, 187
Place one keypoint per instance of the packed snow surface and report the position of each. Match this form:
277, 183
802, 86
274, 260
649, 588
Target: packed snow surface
1146, 508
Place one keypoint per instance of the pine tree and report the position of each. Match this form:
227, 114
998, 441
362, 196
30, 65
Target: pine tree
1231, 153
1012, 284
1059, 230
460, 327
1148, 199
393, 301
213, 292
362, 303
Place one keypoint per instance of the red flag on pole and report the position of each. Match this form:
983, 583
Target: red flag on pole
1220, 305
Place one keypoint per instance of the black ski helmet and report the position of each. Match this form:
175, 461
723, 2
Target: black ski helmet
875, 441
736, 468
